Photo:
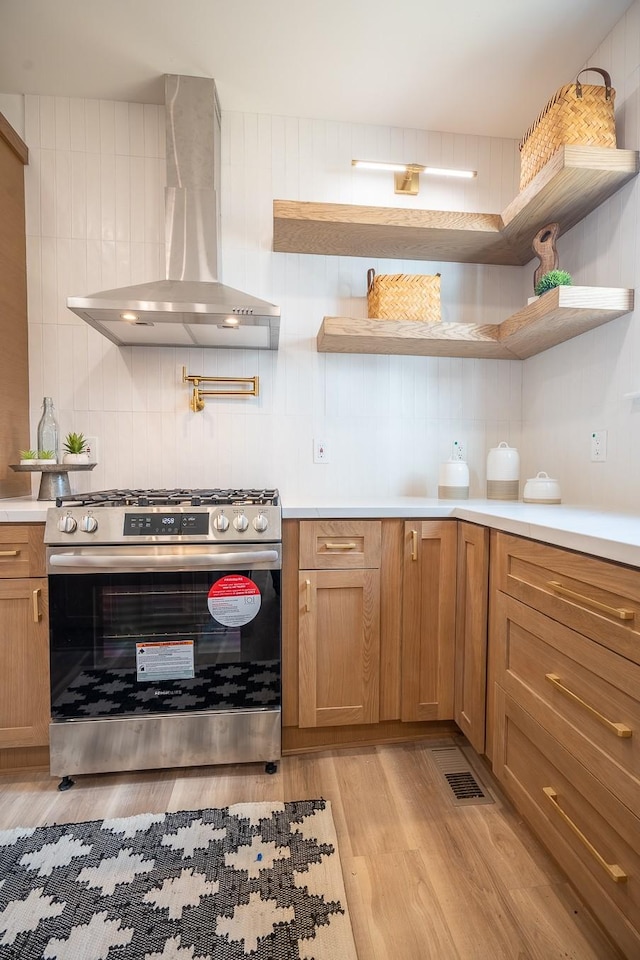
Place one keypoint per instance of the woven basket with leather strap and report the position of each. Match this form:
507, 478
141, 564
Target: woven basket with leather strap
577, 114
402, 296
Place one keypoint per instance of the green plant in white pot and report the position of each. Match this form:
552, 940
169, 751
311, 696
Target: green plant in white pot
46, 456
554, 278
28, 457
75, 447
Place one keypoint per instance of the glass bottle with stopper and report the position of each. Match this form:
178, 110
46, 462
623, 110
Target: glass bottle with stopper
48, 432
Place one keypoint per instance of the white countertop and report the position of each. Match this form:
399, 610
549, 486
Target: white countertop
611, 534
24, 510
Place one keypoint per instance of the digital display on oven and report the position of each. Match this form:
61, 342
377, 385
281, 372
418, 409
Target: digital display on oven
165, 524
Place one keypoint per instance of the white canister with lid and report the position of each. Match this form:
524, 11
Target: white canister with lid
541, 489
503, 472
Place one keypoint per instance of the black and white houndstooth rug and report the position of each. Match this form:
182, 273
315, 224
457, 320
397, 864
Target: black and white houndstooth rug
259, 880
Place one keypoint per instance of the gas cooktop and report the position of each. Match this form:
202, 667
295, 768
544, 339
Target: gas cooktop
160, 498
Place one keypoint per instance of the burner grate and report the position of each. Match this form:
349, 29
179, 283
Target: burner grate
173, 497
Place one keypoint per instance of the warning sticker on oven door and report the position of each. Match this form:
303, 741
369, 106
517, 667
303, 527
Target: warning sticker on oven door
165, 660
234, 600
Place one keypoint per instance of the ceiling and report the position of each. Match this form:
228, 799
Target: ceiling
464, 66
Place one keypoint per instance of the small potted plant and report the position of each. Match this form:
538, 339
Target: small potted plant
46, 456
75, 446
28, 458
551, 279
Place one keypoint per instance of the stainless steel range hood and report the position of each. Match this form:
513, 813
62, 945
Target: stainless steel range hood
191, 307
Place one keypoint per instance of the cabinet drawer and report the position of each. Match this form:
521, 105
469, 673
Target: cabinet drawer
21, 550
590, 833
598, 598
583, 694
340, 544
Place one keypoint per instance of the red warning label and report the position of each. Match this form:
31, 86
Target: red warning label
234, 600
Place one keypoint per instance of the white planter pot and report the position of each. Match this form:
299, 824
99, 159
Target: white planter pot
76, 458
41, 463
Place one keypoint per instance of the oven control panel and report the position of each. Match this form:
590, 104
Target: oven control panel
228, 524
165, 524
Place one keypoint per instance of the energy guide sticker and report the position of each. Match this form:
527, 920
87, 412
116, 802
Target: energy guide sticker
234, 600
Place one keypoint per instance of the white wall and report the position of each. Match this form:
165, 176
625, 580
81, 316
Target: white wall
579, 387
95, 212
12, 107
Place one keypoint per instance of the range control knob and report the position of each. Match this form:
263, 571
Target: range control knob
240, 523
89, 524
67, 524
260, 523
220, 523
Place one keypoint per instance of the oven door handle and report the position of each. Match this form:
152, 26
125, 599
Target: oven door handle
210, 560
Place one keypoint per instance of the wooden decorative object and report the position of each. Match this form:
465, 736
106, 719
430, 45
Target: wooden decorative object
544, 246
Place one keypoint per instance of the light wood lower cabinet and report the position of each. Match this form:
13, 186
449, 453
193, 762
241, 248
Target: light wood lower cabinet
428, 621
24, 664
592, 835
24, 647
368, 631
339, 622
471, 632
565, 693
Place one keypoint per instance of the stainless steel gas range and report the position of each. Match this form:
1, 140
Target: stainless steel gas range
165, 629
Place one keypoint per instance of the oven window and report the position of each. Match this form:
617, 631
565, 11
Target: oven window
143, 643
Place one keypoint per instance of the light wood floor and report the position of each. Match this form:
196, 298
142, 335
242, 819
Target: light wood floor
425, 879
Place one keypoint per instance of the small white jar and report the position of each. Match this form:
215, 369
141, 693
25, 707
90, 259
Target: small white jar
541, 489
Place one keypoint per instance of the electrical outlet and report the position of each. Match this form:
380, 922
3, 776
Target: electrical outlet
599, 446
320, 451
92, 449
458, 450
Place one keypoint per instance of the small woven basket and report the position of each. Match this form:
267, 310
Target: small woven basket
577, 114
402, 296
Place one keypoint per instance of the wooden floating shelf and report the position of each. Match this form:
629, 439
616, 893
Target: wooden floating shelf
556, 316
574, 182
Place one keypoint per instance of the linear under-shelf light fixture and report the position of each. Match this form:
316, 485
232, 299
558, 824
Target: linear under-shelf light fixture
407, 174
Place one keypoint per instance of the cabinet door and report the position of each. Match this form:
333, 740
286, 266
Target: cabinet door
339, 632
429, 600
471, 632
24, 663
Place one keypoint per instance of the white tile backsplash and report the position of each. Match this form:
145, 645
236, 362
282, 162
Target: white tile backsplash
95, 219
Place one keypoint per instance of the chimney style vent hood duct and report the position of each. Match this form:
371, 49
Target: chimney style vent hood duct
189, 308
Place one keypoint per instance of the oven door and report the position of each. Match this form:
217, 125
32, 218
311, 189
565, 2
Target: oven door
144, 630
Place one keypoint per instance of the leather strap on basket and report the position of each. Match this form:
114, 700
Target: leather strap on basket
370, 277
605, 76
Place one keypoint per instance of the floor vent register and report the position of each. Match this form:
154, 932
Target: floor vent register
462, 780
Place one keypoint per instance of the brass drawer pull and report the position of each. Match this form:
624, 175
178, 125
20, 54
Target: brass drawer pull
620, 729
9, 553
36, 606
340, 546
615, 872
618, 612
307, 584
414, 544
